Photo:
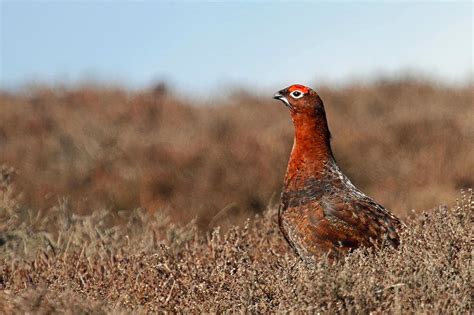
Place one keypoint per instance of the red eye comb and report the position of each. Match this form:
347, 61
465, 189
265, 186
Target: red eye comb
303, 89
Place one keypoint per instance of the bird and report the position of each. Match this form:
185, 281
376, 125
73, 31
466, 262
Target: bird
321, 212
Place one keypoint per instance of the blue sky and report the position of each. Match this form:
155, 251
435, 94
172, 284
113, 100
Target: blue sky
201, 46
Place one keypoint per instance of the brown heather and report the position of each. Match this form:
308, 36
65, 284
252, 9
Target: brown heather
97, 202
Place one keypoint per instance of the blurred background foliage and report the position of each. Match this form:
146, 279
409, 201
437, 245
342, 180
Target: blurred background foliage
406, 142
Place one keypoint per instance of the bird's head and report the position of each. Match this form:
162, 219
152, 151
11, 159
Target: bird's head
299, 99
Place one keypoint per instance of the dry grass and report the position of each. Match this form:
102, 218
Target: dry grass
70, 263
95, 212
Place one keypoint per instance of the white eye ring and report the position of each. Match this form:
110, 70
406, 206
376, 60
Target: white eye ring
296, 94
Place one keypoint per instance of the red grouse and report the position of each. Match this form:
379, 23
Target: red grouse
321, 211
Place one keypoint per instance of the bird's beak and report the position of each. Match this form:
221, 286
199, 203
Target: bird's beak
280, 97
277, 96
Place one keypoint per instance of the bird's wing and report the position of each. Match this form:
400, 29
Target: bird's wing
350, 223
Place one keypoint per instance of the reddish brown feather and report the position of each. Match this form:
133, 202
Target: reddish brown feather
321, 211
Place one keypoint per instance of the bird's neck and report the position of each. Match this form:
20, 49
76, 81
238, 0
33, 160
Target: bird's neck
311, 148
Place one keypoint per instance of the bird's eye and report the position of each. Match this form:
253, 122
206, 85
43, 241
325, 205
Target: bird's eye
296, 94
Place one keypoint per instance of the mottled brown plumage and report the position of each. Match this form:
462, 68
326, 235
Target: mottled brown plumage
321, 211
